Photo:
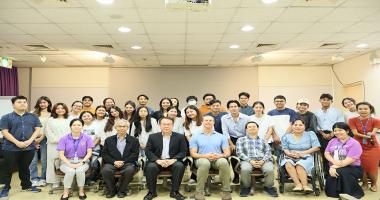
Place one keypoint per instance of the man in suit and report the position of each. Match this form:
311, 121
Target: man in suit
165, 151
120, 153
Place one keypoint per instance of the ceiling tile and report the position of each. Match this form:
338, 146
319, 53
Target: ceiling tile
203, 38
93, 39
95, 29
21, 16
55, 38
68, 15
130, 38
363, 27
303, 14
7, 29
165, 28
307, 37
345, 37
212, 15
201, 46
4, 4
260, 4
328, 27
40, 28
231, 38
348, 14
53, 4
275, 38
167, 38
115, 15
143, 4
366, 3
115, 4
162, 15
112, 28
22, 39
206, 28
266, 14
287, 27
258, 27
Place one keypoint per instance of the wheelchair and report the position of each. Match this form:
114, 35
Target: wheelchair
211, 179
316, 176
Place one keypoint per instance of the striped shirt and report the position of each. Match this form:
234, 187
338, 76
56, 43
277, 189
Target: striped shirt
248, 148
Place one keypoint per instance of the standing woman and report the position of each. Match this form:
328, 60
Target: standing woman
56, 127
108, 103
100, 123
350, 104
43, 110
165, 103
76, 109
129, 112
193, 121
178, 121
343, 154
114, 114
175, 103
143, 125
263, 120
364, 128
75, 150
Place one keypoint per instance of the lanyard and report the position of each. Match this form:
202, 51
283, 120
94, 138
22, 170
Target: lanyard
364, 127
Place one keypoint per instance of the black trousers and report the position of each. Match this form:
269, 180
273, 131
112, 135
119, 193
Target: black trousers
324, 144
346, 183
127, 172
233, 161
23, 160
152, 170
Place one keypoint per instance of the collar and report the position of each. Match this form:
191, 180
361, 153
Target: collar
25, 113
71, 136
125, 137
250, 137
230, 115
213, 132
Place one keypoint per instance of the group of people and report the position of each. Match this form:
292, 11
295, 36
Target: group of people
209, 133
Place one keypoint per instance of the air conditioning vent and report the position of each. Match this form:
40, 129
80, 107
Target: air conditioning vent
331, 46
266, 45
108, 46
37, 47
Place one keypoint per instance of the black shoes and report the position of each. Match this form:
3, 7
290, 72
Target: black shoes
121, 195
64, 198
177, 196
83, 197
150, 196
245, 192
110, 195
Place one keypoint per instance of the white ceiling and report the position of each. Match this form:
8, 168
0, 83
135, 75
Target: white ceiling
184, 37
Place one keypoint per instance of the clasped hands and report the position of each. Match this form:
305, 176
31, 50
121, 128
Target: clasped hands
257, 163
118, 164
296, 154
213, 156
23, 144
166, 163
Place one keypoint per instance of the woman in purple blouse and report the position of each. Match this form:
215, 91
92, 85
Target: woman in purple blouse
75, 150
343, 154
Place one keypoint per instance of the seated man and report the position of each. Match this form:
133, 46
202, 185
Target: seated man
254, 152
165, 151
210, 149
120, 153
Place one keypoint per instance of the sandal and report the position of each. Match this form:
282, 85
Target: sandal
307, 189
373, 189
297, 189
365, 187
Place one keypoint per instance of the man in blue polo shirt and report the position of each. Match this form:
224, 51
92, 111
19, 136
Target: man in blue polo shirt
19, 128
211, 149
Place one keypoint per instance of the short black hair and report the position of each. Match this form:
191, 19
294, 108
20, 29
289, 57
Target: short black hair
209, 94
14, 99
191, 97
105, 99
279, 97
350, 99
215, 101
143, 95
87, 97
371, 108
251, 122
326, 95
76, 119
233, 101
244, 94
159, 121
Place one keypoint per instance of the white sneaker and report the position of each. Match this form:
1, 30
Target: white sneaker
55, 185
192, 181
42, 183
346, 197
35, 183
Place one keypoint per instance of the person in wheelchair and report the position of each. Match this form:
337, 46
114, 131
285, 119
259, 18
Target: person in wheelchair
75, 150
165, 151
255, 153
120, 154
343, 154
298, 147
210, 149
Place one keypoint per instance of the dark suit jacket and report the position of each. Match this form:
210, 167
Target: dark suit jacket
110, 154
177, 147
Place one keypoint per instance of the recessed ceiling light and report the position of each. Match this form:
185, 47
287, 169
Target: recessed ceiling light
363, 45
107, 2
136, 47
269, 1
234, 46
124, 29
247, 28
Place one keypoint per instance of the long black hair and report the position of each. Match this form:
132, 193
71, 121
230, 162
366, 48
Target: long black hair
111, 119
37, 109
137, 123
133, 104
344, 126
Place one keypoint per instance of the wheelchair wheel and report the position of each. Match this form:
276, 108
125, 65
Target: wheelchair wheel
319, 171
317, 192
281, 188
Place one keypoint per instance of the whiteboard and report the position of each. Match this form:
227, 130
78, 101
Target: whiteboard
5, 107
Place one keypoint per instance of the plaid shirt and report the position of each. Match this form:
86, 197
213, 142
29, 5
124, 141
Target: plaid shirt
248, 148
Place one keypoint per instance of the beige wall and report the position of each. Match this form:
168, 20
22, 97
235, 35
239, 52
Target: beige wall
359, 69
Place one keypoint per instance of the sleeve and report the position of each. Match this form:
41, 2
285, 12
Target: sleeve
355, 150
329, 145
314, 123
90, 142
376, 123
135, 150
62, 144
155, 126
225, 142
284, 142
293, 115
106, 154
351, 123
193, 142
37, 122
149, 150
4, 125
314, 139
51, 137
267, 152
240, 151
225, 126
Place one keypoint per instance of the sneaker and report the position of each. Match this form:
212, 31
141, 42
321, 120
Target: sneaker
41, 183
35, 183
55, 185
244, 192
226, 195
4, 192
192, 181
271, 191
32, 189
346, 197
150, 196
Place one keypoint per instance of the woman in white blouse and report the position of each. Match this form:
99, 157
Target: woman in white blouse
76, 109
178, 121
56, 127
350, 104
193, 121
100, 123
263, 120
114, 114
143, 125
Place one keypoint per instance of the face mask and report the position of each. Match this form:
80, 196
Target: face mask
192, 102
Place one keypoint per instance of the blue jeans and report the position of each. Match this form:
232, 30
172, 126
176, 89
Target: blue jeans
33, 167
